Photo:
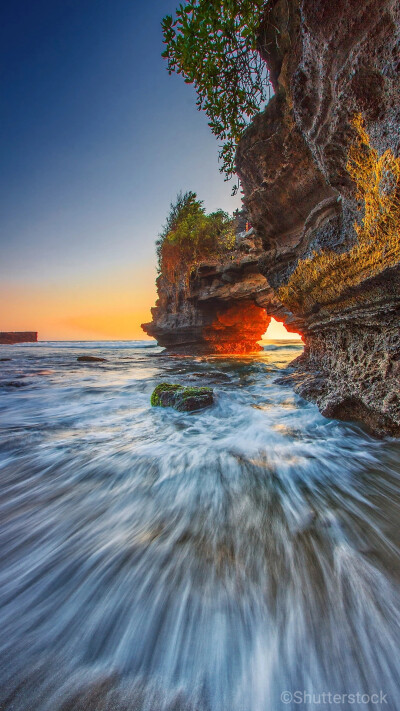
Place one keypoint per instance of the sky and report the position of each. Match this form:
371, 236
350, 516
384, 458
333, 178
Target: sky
96, 141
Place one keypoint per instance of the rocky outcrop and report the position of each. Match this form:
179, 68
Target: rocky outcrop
328, 62
90, 359
11, 337
182, 399
220, 308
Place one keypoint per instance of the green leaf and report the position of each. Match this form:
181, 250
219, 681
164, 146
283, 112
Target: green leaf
212, 44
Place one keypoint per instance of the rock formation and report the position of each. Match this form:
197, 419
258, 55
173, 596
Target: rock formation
219, 308
11, 337
183, 399
328, 62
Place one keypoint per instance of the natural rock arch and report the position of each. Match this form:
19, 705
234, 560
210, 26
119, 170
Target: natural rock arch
224, 307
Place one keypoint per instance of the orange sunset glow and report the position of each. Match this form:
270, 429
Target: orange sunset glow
106, 306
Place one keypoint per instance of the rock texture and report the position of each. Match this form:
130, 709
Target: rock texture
328, 61
220, 308
11, 337
182, 399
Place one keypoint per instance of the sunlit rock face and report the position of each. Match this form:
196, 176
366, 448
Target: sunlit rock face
237, 329
220, 308
211, 328
328, 61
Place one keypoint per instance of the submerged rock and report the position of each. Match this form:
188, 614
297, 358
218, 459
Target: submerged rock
213, 376
181, 398
91, 359
16, 384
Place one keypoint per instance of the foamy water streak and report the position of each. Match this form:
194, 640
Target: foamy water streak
152, 559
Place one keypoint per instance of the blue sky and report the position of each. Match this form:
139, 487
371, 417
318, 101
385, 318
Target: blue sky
96, 141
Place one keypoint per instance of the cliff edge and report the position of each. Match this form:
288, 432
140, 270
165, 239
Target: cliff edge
219, 307
320, 171
311, 197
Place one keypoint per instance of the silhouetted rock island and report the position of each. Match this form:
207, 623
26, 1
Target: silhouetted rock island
12, 337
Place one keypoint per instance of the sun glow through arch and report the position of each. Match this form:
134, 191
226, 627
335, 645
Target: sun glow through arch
277, 331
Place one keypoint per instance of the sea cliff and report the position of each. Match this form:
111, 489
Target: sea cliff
218, 307
315, 258
329, 63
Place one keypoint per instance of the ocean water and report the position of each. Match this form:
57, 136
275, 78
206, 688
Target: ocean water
242, 558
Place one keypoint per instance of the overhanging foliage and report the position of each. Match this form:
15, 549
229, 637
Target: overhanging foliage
212, 44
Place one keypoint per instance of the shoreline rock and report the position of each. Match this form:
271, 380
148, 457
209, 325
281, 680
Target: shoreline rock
328, 63
91, 359
224, 307
183, 399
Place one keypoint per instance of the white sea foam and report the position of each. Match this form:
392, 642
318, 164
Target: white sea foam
153, 559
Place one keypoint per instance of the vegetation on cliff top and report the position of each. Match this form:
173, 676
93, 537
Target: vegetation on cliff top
212, 44
325, 276
190, 235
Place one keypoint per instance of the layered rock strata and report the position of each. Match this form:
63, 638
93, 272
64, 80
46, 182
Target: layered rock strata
219, 308
328, 62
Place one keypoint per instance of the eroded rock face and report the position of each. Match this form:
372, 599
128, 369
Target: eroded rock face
328, 61
220, 308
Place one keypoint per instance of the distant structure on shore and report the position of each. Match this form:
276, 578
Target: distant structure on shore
10, 337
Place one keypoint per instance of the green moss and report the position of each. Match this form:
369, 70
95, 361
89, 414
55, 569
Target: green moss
161, 388
173, 395
193, 391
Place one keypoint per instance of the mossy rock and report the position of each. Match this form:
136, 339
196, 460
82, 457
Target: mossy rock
163, 394
181, 398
